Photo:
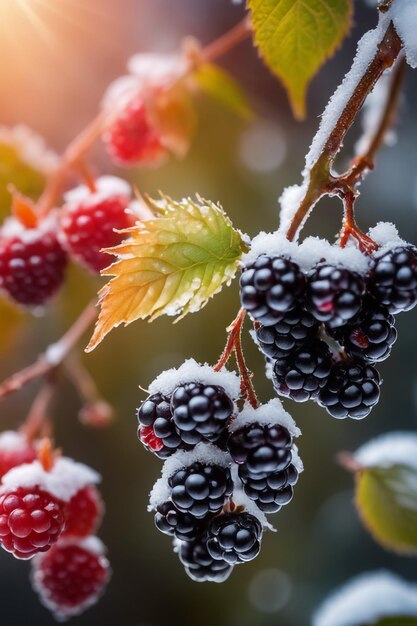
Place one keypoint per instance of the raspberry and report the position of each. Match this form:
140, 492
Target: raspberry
156, 430
371, 334
89, 225
200, 412
261, 448
234, 537
15, 450
200, 565
31, 520
292, 331
393, 279
183, 526
200, 489
130, 139
304, 372
70, 577
334, 294
352, 390
270, 492
270, 287
83, 512
32, 263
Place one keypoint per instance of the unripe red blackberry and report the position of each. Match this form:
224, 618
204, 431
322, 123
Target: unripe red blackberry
83, 513
270, 287
393, 278
15, 449
234, 537
294, 329
200, 565
261, 448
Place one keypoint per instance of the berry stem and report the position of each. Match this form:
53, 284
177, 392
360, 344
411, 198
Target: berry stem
219, 47
234, 330
37, 421
55, 354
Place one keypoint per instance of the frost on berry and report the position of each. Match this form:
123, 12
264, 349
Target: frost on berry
15, 449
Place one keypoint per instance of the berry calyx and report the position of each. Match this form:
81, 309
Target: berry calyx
234, 537
393, 278
200, 565
261, 448
83, 513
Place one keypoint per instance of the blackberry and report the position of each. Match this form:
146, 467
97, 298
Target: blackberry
304, 372
234, 537
334, 294
393, 279
270, 492
183, 526
270, 287
291, 332
156, 429
200, 489
352, 390
200, 565
261, 448
371, 335
200, 412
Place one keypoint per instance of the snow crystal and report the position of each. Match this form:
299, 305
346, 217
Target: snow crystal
31, 147
10, 440
289, 201
396, 448
296, 460
404, 16
55, 353
106, 187
373, 110
191, 371
386, 235
368, 598
205, 453
272, 244
13, 227
313, 250
63, 481
120, 93
152, 68
270, 414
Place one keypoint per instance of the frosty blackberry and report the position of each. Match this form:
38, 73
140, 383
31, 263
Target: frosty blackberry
291, 332
183, 526
157, 431
270, 492
234, 537
393, 279
200, 565
261, 448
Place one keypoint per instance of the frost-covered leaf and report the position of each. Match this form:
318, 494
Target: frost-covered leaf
295, 37
386, 490
170, 265
221, 86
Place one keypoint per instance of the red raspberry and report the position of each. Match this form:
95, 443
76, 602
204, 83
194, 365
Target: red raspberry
84, 512
71, 576
31, 520
15, 450
32, 261
89, 221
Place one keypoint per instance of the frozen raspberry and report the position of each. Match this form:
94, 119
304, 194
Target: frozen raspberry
200, 412
393, 279
270, 287
32, 262
84, 512
156, 430
31, 521
15, 450
200, 489
261, 448
90, 220
352, 390
292, 331
183, 526
234, 537
270, 492
200, 565
71, 576
371, 334
334, 294
304, 372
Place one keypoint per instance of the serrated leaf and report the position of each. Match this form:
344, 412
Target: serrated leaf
387, 502
221, 86
170, 265
295, 37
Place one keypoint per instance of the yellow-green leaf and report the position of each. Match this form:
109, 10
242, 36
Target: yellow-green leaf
221, 86
170, 265
295, 37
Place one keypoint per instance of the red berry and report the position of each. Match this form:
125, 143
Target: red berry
83, 512
32, 262
31, 520
71, 576
89, 221
15, 450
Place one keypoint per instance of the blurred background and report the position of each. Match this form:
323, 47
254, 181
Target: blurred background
57, 57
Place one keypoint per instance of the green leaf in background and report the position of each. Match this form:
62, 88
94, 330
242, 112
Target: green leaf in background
295, 37
387, 502
170, 265
221, 86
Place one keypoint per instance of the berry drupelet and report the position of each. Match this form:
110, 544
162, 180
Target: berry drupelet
261, 448
393, 278
234, 537
200, 565
183, 526
83, 513
295, 328
156, 430
270, 492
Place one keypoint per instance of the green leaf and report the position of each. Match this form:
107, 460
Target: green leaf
387, 502
295, 37
170, 265
221, 86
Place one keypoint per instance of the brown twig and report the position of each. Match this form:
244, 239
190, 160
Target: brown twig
36, 422
234, 330
95, 411
226, 42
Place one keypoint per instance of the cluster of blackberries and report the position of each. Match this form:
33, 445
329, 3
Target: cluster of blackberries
50, 515
223, 471
323, 327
